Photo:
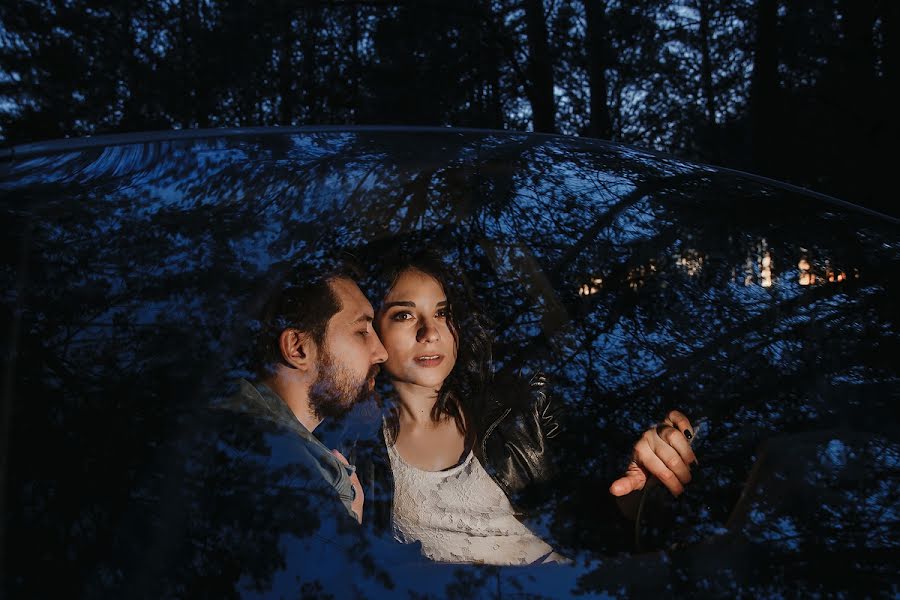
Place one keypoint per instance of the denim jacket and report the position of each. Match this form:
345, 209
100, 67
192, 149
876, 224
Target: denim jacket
264, 407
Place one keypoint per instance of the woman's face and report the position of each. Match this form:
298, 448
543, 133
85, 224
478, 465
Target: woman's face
414, 329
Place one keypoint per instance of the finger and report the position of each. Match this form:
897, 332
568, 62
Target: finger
626, 484
680, 443
340, 457
657, 465
633, 479
359, 498
673, 460
354, 481
680, 422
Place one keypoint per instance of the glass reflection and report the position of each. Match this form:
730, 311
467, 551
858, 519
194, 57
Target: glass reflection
638, 283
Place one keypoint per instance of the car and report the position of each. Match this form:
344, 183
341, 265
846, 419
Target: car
637, 282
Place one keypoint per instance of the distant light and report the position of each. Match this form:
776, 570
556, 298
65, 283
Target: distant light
589, 289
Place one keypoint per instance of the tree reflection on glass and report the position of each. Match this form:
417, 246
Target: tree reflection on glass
639, 284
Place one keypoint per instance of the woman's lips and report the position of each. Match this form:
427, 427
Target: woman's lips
428, 360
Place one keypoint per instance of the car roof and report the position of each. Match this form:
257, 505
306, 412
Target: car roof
50, 147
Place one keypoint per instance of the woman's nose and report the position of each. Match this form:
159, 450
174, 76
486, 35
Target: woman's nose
428, 332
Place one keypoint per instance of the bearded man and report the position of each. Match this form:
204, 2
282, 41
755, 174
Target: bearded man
317, 356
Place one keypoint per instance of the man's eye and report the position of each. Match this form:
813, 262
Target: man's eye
363, 333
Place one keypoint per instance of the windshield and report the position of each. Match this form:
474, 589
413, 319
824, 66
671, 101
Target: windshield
636, 283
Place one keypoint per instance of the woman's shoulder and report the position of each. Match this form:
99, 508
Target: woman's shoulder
520, 391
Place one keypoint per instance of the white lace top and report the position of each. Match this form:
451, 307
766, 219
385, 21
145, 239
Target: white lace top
460, 515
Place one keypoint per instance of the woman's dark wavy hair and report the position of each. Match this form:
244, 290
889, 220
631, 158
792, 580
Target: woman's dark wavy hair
461, 393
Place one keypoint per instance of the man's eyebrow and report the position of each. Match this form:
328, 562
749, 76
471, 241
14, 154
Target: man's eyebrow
363, 318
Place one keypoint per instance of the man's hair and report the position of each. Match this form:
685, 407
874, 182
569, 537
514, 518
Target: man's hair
306, 306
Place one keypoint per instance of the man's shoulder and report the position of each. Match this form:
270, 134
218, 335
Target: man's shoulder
250, 435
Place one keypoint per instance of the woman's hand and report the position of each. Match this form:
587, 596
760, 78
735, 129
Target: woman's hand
663, 451
357, 505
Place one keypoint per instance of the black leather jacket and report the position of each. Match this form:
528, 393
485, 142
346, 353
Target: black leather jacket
516, 424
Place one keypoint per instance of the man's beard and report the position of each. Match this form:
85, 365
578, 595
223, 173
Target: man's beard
334, 392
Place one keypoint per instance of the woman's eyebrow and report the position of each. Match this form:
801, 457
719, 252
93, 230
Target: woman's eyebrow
400, 303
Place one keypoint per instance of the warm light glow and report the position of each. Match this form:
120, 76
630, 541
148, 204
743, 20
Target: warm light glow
806, 278
689, 260
637, 276
759, 268
765, 274
589, 289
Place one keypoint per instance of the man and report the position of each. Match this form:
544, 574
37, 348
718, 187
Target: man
317, 356
267, 508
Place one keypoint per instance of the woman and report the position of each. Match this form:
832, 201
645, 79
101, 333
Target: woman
451, 484
453, 453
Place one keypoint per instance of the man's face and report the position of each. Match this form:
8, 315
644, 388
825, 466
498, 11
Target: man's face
349, 357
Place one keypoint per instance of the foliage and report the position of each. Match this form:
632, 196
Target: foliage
671, 76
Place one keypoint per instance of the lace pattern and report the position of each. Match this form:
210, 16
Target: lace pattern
460, 515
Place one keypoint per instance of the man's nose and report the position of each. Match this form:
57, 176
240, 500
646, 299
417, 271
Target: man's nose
379, 354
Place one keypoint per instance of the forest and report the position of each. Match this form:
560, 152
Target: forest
803, 92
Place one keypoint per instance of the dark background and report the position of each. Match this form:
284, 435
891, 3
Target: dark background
800, 91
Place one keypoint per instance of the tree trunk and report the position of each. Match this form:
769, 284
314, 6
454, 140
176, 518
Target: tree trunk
491, 106
600, 124
540, 68
310, 82
355, 65
857, 100
706, 64
286, 70
890, 49
203, 96
764, 88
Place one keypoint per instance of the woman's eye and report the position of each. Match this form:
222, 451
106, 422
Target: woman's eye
402, 316
442, 314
